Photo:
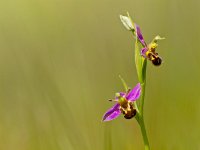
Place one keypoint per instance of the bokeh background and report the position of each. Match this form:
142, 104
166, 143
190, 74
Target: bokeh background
60, 61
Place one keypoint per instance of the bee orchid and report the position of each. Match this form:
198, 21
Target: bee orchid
124, 104
149, 51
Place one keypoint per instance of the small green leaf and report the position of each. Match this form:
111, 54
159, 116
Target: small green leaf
124, 84
140, 62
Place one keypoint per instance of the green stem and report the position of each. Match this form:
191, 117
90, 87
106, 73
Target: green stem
141, 65
142, 98
144, 134
140, 119
140, 115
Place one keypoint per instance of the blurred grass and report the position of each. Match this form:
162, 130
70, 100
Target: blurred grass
59, 63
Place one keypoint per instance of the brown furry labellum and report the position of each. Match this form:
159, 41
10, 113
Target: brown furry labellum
127, 109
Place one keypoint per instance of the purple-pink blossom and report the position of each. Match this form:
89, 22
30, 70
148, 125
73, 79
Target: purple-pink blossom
148, 51
124, 104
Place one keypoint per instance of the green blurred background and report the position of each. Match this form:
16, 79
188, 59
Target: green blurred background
60, 61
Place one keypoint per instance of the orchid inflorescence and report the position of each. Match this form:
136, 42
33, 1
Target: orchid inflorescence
126, 101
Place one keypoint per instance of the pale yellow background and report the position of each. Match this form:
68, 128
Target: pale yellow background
60, 61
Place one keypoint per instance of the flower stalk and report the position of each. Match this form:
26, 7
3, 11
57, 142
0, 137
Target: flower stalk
141, 65
127, 103
144, 133
139, 116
